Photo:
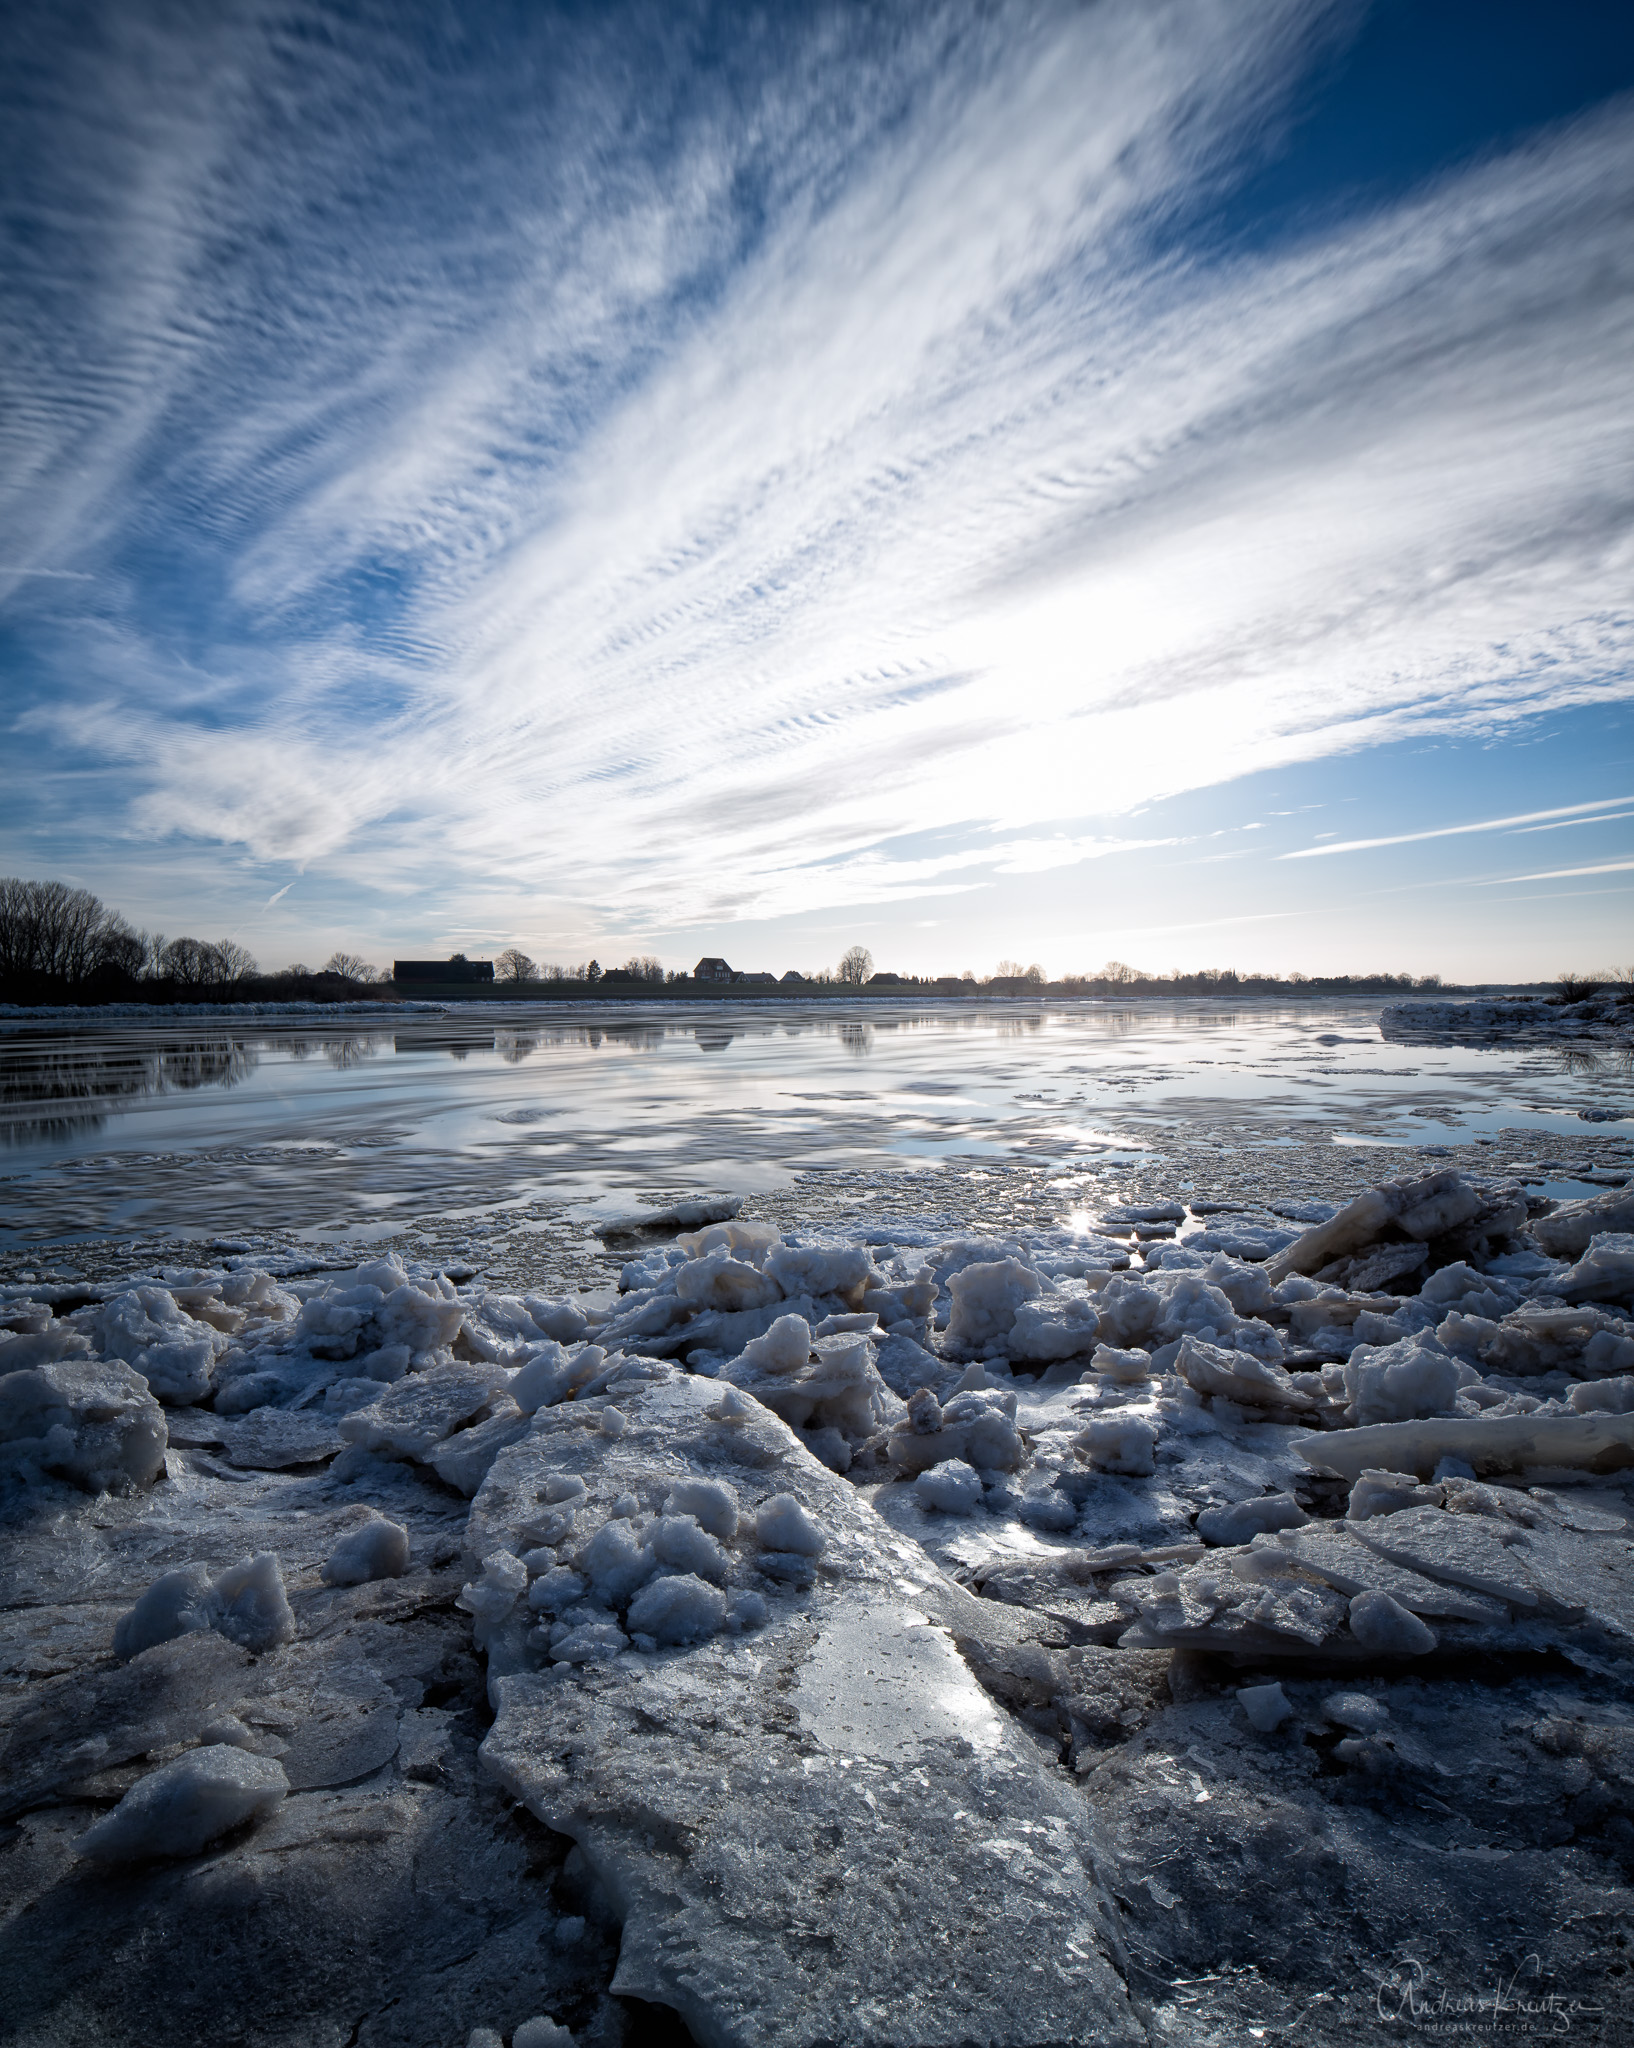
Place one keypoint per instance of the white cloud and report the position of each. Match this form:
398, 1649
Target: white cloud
1564, 813
1608, 867
707, 561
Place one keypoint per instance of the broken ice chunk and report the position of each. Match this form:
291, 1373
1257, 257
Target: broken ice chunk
1604, 1397
845, 1270
712, 1504
1388, 1493
490, 1597
1356, 1710
1244, 1519
1129, 1367
1569, 1230
253, 1610
1473, 1550
678, 1610
677, 1541
184, 1805
174, 1605
1046, 1331
555, 1589
1386, 1628
541, 2033
1267, 1706
718, 1280
783, 1524
785, 1347
592, 1642
952, 1488
172, 1351
1121, 1444
1605, 1272
978, 1426
91, 1420
1400, 1382
616, 1562
1253, 1383
1332, 1552
986, 1298
377, 1549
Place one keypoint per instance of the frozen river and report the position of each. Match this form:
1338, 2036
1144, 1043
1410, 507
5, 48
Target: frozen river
343, 1129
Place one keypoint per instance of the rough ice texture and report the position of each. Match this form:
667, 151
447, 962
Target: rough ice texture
950, 1489
1239, 1377
659, 1583
1605, 1272
1120, 1444
1265, 1705
1058, 1328
1569, 1230
175, 1354
1381, 1624
176, 1603
377, 1549
1398, 1382
249, 1605
1245, 1519
183, 1806
1490, 1444
89, 1420
825, 1831
424, 1410
986, 1300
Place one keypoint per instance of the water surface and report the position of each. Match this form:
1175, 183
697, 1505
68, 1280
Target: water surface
345, 1128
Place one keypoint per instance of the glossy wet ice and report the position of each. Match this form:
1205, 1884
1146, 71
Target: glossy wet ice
347, 1129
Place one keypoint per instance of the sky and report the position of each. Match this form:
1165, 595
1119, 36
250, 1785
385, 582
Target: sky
1047, 482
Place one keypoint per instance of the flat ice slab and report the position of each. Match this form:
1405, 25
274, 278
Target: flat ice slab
820, 1830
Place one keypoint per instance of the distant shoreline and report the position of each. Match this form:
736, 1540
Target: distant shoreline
389, 1002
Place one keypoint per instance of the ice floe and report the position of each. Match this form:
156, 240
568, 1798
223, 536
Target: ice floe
796, 1568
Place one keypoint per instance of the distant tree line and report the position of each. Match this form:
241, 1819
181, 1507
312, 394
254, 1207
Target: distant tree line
62, 943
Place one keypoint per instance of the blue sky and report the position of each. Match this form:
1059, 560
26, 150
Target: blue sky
1023, 481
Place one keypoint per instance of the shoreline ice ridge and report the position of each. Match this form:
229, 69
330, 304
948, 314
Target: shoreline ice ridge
853, 1604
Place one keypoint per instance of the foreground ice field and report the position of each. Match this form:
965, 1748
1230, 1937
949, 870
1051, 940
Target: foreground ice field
1201, 1624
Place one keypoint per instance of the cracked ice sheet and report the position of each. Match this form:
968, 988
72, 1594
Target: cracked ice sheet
821, 1831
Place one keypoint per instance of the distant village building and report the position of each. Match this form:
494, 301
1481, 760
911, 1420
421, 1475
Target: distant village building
794, 974
712, 969
760, 979
885, 981
455, 968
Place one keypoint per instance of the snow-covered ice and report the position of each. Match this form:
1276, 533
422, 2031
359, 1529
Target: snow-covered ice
185, 1804
887, 1620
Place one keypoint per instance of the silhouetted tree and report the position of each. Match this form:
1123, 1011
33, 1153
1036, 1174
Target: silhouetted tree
515, 966
349, 966
856, 966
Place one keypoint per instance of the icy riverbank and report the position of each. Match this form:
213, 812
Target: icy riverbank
1605, 1018
1145, 1629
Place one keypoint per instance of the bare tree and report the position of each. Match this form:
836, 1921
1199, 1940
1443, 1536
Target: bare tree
856, 966
350, 967
1035, 975
233, 962
188, 962
51, 929
515, 966
644, 967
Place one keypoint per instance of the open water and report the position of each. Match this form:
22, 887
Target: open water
341, 1129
